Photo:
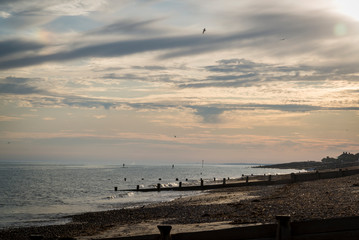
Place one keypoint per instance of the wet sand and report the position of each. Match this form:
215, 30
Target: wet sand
216, 209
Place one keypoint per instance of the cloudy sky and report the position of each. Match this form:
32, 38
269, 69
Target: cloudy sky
136, 81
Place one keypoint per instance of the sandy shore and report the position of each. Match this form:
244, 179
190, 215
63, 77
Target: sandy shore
216, 209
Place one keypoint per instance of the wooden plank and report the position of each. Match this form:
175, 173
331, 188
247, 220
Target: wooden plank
325, 225
266, 231
347, 235
143, 237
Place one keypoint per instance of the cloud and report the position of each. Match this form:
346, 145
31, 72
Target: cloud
129, 26
151, 68
228, 73
120, 48
48, 119
4, 2
18, 86
65, 24
209, 114
4, 14
52, 7
99, 116
127, 76
4, 118
76, 101
13, 46
111, 49
207, 110
34, 15
309, 35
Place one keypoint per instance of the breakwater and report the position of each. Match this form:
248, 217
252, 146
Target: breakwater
255, 181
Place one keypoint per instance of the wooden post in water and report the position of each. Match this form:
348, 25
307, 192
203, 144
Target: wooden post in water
180, 184
165, 231
201, 182
269, 178
318, 174
247, 179
138, 187
158, 186
224, 181
115, 188
283, 228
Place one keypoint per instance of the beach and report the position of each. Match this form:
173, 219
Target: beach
215, 209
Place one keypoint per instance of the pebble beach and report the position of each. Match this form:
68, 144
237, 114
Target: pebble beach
214, 209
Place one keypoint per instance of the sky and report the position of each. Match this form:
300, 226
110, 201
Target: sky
136, 81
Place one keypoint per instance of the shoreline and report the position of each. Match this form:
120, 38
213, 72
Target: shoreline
215, 209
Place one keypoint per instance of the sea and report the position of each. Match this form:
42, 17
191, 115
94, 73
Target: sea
37, 194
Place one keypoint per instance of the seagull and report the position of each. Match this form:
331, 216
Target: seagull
203, 30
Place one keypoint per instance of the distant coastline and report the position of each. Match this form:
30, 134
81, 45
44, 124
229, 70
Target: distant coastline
345, 160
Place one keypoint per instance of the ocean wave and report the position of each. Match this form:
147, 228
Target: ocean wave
110, 197
126, 194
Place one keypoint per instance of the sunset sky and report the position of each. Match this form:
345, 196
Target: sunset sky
136, 81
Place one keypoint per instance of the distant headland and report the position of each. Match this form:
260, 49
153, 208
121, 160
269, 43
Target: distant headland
344, 160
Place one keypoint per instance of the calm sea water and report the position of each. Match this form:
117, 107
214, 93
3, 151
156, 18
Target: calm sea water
43, 194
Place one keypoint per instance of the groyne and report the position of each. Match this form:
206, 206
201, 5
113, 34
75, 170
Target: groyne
255, 181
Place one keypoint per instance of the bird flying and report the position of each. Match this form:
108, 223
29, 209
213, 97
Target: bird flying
203, 30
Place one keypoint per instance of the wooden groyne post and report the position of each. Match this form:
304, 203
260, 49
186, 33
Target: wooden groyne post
165, 231
283, 227
317, 174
